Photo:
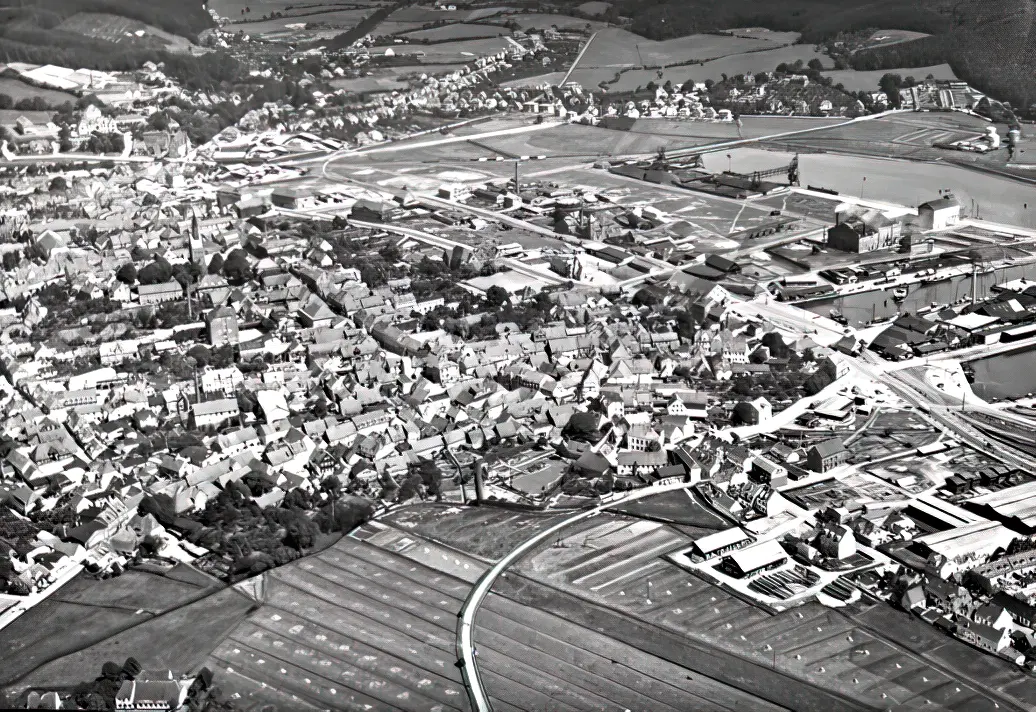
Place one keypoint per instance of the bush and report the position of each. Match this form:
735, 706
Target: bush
155, 273
236, 268
127, 274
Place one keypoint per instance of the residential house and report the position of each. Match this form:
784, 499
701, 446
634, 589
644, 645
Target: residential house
221, 324
215, 412
826, 455
158, 293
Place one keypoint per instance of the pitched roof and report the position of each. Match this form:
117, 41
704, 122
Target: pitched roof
829, 447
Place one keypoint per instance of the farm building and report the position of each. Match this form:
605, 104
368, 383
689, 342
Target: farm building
720, 543
747, 562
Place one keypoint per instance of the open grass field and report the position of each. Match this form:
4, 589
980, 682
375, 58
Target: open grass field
86, 612
481, 13
392, 27
426, 13
544, 475
646, 136
679, 507
232, 8
765, 60
855, 80
617, 48
747, 62
457, 31
710, 60
17, 89
446, 52
781, 38
595, 7
551, 78
541, 21
751, 127
882, 38
618, 565
485, 532
9, 116
904, 135
339, 19
114, 28
176, 640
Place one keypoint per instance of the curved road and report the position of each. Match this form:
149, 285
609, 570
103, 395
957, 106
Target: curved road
465, 649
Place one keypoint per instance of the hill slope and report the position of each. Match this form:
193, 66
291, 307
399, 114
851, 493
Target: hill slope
185, 18
32, 31
992, 45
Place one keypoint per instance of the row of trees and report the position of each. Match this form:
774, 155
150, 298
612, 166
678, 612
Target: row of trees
257, 539
28, 103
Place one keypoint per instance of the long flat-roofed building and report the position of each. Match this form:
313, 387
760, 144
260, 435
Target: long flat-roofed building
1013, 506
755, 559
977, 540
720, 543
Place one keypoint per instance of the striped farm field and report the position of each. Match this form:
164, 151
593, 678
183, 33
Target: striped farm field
354, 627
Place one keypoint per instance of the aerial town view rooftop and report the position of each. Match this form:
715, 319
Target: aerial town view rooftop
637, 356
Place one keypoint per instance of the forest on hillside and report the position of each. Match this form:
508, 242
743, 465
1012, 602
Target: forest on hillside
186, 18
28, 34
815, 19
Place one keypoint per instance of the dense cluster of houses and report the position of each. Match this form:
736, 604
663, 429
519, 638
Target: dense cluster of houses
348, 383
973, 580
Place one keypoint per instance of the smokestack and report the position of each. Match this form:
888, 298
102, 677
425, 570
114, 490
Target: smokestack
460, 475
480, 474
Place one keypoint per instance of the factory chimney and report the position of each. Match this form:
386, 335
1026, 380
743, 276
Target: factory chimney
480, 475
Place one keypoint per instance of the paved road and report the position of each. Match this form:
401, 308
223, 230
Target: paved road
949, 418
465, 647
579, 56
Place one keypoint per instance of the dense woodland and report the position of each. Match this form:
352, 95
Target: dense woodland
28, 34
185, 18
815, 19
989, 44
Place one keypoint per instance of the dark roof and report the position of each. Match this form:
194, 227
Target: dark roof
914, 323
830, 447
592, 462
722, 263
704, 271
1016, 607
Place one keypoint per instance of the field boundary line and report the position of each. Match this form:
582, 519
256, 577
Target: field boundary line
588, 652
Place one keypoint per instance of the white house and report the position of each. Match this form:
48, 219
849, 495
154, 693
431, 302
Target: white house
214, 412
939, 214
